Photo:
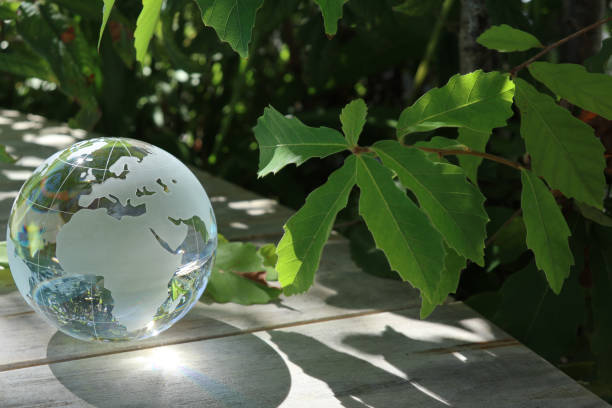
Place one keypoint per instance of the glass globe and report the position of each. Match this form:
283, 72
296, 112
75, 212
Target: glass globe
111, 239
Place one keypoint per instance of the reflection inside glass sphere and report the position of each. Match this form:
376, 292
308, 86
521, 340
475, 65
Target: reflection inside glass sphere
111, 239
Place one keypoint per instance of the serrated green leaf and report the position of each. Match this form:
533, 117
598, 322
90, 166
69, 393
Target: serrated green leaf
573, 82
504, 38
509, 242
413, 247
299, 251
529, 311
479, 101
449, 280
26, 64
563, 149
439, 142
226, 287
238, 257
547, 230
145, 26
226, 284
5, 157
477, 141
332, 12
106, 10
353, 118
454, 205
268, 253
593, 214
284, 141
233, 20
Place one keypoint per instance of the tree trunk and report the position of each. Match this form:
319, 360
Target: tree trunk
576, 15
474, 21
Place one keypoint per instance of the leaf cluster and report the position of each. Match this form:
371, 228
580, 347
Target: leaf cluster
426, 214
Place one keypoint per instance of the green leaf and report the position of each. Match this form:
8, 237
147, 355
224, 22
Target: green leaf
226, 287
476, 141
413, 247
6, 279
547, 230
593, 214
3, 255
504, 38
449, 280
238, 257
332, 12
599, 62
233, 20
5, 156
284, 140
509, 240
268, 253
27, 64
145, 26
439, 142
573, 82
454, 205
106, 10
479, 101
226, 284
529, 311
299, 251
563, 149
353, 118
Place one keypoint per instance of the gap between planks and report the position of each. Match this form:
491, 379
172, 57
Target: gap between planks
45, 361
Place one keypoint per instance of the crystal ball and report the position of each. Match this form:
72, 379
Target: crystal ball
111, 239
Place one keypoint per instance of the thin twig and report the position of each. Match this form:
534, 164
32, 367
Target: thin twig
546, 49
469, 152
423, 68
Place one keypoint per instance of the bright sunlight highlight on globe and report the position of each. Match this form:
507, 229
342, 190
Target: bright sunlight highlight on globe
111, 239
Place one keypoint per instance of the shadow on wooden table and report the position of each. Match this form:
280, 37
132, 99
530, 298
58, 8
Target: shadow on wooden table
235, 371
367, 363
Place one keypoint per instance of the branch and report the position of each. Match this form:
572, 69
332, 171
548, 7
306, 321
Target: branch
469, 152
423, 68
546, 49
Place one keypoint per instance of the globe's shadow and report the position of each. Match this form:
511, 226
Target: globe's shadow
234, 371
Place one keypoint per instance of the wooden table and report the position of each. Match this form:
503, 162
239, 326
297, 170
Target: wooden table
354, 340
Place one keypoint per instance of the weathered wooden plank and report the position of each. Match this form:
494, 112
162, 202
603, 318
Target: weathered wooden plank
380, 360
341, 289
